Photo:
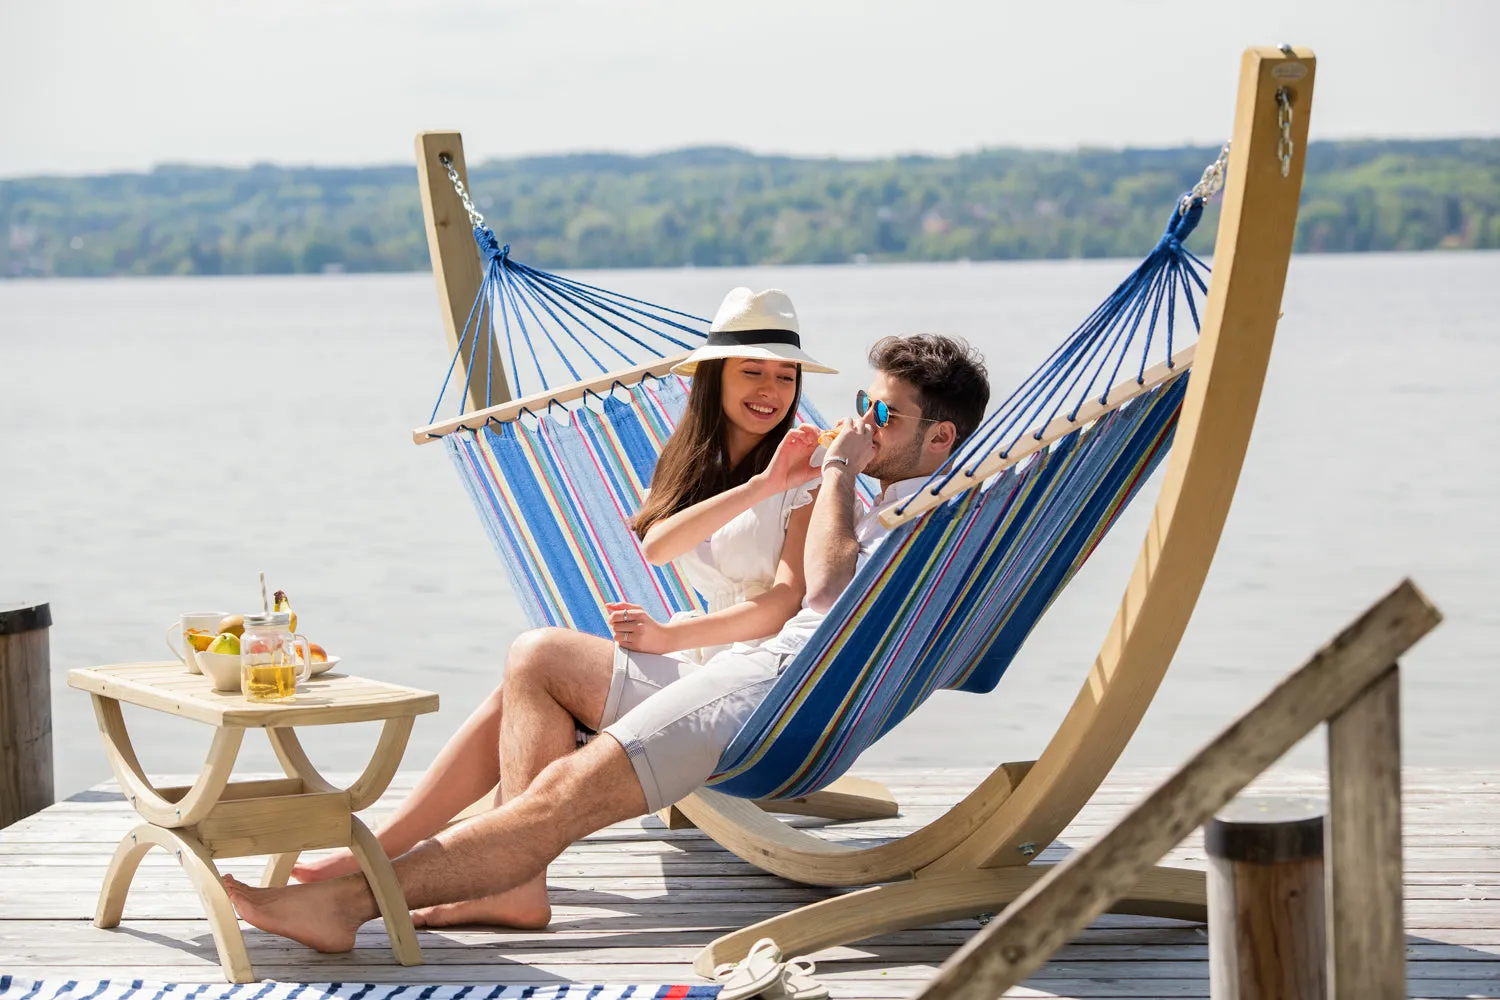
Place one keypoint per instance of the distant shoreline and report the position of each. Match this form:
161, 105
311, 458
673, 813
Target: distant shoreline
427, 272
715, 207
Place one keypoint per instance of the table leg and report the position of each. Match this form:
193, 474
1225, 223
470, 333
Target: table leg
370, 785
195, 860
387, 891
279, 868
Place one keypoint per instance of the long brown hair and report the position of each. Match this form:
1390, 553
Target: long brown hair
694, 463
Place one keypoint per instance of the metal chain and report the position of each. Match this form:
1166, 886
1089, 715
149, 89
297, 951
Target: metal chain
1284, 148
1210, 184
475, 218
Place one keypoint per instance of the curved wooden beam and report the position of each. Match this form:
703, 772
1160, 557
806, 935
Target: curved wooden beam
384, 762
372, 782
143, 795
387, 891
278, 870
1179, 893
766, 842
195, 860
294, 760
1244, 300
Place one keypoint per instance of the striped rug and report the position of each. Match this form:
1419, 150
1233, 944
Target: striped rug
19, 988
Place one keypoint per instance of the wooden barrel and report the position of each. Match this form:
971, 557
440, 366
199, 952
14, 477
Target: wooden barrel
25, 711
1266, 932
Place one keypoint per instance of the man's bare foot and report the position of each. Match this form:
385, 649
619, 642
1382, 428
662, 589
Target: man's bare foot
310, 915
524, 908
336, 865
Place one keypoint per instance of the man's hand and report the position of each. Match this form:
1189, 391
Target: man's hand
856, 441
790, 465
636, 630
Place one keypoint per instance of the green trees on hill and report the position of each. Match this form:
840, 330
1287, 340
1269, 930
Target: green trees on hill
708, 207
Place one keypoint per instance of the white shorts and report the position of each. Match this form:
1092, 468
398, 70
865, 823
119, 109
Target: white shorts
675, 717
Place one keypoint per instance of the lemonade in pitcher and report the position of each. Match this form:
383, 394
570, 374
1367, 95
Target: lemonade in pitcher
270, 665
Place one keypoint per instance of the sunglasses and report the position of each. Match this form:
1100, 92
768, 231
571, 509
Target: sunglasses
883, 414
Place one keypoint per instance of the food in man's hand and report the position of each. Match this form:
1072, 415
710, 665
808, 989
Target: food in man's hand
233, 624
826, 437
198, 639
226, 642
283, 603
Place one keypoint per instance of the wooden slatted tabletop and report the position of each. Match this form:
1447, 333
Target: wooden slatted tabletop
326, 699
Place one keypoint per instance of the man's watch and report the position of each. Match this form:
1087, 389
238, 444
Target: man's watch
835, 460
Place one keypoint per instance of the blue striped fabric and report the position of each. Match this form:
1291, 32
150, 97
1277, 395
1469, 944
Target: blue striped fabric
554, 494
20, 988
946, 602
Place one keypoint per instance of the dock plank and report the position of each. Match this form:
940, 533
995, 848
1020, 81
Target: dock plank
635, 902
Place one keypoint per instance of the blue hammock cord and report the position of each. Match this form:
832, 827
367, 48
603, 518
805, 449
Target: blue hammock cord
1102, 342
539, 308
587, 331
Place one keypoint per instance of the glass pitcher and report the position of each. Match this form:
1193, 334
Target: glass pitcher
270, 669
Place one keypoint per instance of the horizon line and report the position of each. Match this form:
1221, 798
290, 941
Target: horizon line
1082, 147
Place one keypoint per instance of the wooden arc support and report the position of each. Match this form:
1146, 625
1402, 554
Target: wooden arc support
368, 787
1000, 824
199, 864
147, 800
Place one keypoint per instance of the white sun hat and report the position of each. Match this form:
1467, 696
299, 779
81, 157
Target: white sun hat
754, 325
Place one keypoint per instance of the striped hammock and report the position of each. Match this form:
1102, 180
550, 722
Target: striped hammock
947, 599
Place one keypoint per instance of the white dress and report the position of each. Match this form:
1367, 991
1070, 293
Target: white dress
739, 561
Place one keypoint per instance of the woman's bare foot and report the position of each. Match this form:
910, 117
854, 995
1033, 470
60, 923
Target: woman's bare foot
336, 865
314, 915
524, 908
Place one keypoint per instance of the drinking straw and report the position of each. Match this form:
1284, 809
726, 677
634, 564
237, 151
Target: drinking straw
265, 605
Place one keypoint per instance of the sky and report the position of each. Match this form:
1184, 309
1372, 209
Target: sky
91, 86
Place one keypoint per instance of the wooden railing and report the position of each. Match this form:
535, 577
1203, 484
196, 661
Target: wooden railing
1352, 684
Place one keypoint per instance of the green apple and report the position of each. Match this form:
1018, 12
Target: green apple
226, 642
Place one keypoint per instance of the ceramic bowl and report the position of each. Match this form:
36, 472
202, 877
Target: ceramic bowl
221, 668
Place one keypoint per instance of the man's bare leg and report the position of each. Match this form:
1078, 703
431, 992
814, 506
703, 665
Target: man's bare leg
552, 678
490, 854
468, 766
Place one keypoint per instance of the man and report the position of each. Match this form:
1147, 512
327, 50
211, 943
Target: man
928, 395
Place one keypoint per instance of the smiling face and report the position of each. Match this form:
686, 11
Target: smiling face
757, 395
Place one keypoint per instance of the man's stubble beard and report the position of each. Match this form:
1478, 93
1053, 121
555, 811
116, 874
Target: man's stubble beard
894, 466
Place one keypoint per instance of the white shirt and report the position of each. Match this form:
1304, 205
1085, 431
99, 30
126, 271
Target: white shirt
869, 531
740, 560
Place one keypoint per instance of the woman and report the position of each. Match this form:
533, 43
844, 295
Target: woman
730, 502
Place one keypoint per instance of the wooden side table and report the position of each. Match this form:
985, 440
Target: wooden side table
219, 818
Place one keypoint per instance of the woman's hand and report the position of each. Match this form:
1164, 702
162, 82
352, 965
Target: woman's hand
635, 630
791, 465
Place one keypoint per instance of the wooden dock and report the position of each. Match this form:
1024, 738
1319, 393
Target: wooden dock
635, 902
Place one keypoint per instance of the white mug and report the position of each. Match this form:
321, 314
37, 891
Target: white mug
203, 621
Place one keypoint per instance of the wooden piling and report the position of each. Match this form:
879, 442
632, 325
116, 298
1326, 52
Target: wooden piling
1266, 928
25, 711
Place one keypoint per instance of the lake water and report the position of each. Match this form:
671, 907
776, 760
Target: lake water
138, 419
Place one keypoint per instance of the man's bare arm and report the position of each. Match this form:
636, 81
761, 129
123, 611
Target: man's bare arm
832, 550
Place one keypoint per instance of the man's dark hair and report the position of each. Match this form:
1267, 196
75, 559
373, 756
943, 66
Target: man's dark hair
949, 375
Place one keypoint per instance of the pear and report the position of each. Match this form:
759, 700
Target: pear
233, 624
283, 603
226, 642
